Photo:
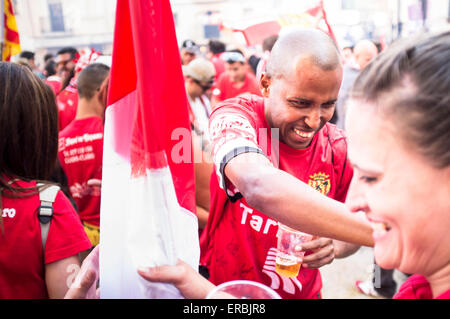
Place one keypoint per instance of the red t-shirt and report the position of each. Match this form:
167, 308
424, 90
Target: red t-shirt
225, 89
219, 65
81, 154
21, 254
418, 287
445, 295
55, 83
238, 241
67, 102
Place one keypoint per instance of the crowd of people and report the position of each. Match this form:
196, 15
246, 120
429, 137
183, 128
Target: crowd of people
363, 129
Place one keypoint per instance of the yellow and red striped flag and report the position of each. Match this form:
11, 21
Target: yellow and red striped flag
10, 39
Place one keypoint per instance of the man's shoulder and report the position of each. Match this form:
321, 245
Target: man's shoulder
335, 136
251, 77
89, 125
333, 133
249, 104
223, 78
67, 131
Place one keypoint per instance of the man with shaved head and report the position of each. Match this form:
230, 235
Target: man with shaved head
364, 51
278, 160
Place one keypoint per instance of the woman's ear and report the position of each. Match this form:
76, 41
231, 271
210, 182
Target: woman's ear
264, 84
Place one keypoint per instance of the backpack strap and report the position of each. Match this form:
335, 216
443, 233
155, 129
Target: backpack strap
47, 197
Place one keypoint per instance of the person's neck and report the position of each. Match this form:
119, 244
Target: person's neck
440, 281
192, 95
240, 83
88, 108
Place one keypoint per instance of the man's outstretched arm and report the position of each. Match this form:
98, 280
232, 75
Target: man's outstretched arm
290, 201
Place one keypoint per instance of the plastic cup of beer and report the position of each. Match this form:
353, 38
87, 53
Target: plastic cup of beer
288, 260
242, 289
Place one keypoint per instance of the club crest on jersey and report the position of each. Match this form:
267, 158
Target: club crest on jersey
320, 182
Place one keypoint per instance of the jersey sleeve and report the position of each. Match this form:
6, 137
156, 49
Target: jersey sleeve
232, 132
342, 164
66, 236
346, 178
217, 91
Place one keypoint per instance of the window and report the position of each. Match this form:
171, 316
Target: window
348, 4
56, 16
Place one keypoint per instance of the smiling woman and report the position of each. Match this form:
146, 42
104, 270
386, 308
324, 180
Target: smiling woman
398, 126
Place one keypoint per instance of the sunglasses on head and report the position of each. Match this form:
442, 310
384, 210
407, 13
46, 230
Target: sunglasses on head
232, 57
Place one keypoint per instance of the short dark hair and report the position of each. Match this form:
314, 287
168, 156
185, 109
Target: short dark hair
216, 46
28, 124
27, 55
50, 68
73, 52
48, 56
90, 79
412, 79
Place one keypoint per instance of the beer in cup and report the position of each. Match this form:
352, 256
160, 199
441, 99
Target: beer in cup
287, 261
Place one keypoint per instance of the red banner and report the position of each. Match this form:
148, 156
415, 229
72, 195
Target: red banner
146, 59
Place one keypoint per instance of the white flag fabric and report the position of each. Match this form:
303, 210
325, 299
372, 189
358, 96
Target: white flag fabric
148, 200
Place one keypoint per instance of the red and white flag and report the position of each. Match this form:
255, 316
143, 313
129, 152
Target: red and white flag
148, 196
313, 15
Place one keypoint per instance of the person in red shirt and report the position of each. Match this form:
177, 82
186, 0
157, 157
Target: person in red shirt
66, 60
398, 125
198, 79
236, 80
30, 266
251, 190
216, 49
67, 97
67, 101
81, 148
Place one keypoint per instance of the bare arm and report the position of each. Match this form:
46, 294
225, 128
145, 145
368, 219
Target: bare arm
202, 215
344, 249
84, 285
203, 170
58, 276
285, 198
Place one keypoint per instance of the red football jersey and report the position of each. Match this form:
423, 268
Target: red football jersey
225, 89
54, 82
81, 154
415, 287
219, 65
418, 287
67, 102
445, 295
21, 254
239, 242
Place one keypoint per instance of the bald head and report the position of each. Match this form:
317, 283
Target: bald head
364, 52
310, 44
